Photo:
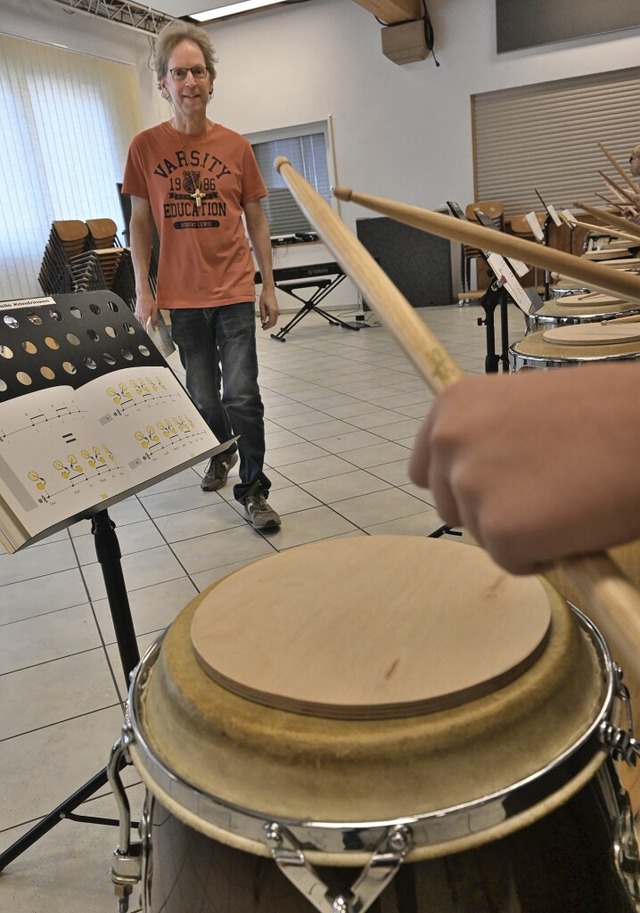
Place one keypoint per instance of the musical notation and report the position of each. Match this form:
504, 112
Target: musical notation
57, 454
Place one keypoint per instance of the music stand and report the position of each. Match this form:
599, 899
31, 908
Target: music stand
552, 219
89, 314
505, 286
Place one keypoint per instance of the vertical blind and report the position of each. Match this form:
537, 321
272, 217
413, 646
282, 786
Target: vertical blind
66, 120
545, 137
306, 149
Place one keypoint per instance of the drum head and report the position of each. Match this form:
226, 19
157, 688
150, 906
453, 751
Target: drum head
193, 733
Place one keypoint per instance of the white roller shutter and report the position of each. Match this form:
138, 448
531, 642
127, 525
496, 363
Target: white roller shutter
545, 137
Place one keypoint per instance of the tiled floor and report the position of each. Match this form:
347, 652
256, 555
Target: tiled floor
342, 410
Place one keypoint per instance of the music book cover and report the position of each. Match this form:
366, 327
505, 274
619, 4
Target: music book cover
90, 413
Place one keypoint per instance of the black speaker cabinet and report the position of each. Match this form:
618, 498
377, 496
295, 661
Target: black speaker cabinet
418, 263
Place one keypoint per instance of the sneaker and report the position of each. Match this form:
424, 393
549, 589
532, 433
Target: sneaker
259, 514
217, 471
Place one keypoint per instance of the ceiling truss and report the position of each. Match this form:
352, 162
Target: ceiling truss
145, 19
124, 12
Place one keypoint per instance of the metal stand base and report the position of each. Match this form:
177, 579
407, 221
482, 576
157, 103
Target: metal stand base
444, 531
307, 309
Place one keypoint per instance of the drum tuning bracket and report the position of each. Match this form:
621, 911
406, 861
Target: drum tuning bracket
127, 865
383, 865
621, 743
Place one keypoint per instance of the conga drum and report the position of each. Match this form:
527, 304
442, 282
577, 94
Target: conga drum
576, 344
380, 723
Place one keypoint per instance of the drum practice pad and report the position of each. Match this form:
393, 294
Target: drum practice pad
590, 334
434, 649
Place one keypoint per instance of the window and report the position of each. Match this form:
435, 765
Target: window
66, 120
307, 148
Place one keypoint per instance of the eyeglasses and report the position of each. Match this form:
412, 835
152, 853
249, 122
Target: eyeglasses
179, 74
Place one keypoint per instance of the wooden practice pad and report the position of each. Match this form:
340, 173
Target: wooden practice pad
592, 299
593, 334
370, 628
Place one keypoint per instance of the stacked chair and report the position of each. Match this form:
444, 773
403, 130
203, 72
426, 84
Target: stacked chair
86, 256
67, 240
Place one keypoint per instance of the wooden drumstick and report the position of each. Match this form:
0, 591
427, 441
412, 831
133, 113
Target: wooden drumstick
606, 230
617, 221
610, 202
632, 184
612, 601
622, 193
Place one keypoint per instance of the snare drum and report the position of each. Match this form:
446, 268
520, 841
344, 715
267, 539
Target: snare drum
384, 723
534, 351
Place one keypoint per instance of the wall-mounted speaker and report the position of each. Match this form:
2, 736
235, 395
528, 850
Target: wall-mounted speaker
405, 42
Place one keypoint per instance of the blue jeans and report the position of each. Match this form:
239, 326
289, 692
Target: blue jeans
217, 349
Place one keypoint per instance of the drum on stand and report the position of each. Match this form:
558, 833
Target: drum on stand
576, 344
578, 309
384, 723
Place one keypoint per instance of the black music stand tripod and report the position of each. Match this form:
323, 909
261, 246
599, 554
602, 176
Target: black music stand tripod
496, 296
109, 555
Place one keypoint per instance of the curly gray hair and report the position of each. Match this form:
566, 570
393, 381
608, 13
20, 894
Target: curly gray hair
170, 36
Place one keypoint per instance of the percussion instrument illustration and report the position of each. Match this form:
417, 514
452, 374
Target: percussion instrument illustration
401, 726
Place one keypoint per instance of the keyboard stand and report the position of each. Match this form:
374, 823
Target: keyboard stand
322, 288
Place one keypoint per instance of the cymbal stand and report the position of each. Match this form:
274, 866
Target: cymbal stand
109, 555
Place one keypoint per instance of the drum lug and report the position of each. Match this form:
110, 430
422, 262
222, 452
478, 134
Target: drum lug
126, 873
385, 861
126, 870
622, 743
626, 855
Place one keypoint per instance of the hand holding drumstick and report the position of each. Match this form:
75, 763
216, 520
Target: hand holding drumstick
538, 466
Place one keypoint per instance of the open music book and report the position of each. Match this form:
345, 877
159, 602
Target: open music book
90, 413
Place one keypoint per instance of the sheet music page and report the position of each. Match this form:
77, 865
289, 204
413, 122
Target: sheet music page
534, 225
554, 215
64, 451
502, 272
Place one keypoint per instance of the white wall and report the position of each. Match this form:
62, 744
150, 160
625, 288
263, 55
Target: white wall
400, 131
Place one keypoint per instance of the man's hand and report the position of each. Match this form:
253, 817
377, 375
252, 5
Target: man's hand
146, 309
269, 310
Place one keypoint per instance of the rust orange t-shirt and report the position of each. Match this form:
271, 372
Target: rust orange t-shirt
197, 187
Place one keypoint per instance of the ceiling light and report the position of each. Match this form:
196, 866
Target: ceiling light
233, 9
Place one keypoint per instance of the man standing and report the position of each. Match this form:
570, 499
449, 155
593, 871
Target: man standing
195, 180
